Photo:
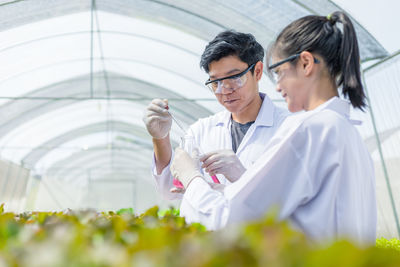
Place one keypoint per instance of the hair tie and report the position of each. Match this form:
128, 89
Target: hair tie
332, 20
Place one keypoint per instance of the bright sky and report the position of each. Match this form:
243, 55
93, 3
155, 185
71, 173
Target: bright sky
381, 18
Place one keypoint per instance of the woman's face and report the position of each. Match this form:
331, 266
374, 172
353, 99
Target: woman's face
291, 84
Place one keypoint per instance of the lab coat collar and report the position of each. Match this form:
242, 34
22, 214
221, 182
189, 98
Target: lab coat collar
335, 103
340, 106
265, 116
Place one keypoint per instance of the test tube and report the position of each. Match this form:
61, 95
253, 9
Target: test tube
187, 144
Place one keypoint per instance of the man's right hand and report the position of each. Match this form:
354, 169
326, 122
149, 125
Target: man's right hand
157, 118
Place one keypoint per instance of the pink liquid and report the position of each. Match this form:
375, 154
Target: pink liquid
215, 179
176, 183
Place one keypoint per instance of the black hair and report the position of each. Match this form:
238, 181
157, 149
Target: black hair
337, 46
230, 42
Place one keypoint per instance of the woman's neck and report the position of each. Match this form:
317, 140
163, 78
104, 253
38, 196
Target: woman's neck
323, 90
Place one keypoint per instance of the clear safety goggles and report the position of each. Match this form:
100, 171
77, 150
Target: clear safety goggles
276, 77
230, 83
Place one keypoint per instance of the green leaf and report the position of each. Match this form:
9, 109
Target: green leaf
125, 211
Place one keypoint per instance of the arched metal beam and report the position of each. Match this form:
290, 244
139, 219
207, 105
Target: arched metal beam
37, 153
191, 17
80, 162
15, 113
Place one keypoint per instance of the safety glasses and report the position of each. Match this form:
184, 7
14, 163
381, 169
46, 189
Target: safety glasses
231, 83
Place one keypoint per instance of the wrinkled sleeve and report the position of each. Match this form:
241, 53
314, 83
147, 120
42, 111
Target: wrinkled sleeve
164, 180
279, 179
205, 205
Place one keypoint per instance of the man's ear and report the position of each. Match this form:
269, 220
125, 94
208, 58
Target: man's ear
258, 70
307, 62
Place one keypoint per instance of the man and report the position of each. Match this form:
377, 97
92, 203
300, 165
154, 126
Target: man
232, 140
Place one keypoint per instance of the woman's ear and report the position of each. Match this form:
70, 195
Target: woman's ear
307, 62
258, 70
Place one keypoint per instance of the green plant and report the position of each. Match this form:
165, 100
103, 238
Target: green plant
162, 238
393, 243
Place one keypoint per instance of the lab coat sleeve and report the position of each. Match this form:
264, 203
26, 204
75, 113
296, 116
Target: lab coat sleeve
278, 179
164, 181
203, 204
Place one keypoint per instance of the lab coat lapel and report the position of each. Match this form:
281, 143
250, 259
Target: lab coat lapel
265, 118
225, 122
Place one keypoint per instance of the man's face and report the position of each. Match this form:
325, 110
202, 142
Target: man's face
235, 94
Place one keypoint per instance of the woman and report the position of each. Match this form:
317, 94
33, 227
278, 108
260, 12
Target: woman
317, 170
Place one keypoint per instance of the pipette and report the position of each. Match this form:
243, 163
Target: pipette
175, 120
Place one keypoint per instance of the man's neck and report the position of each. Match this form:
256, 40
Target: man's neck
250, 112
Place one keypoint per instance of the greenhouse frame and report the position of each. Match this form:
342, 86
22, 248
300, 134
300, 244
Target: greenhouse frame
77, 75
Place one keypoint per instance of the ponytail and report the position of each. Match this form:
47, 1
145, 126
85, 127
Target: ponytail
337, 46
350, 76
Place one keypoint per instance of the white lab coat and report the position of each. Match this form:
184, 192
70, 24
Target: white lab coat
214, 133
316, 170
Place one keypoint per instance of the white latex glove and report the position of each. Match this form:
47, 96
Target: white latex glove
185, 168
223, 162
157, 119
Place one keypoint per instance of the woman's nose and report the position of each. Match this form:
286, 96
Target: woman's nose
278, 88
